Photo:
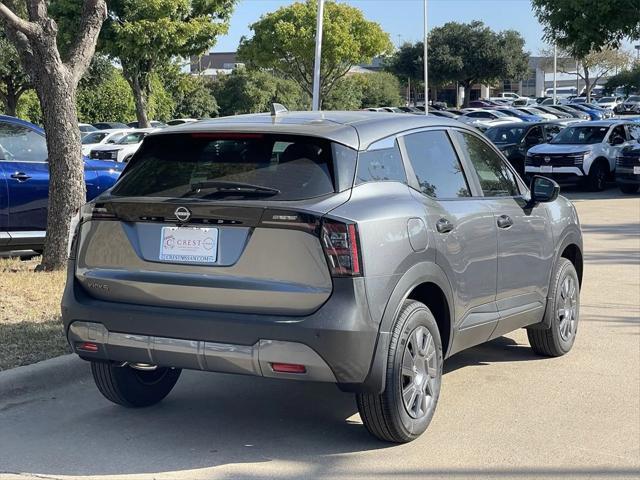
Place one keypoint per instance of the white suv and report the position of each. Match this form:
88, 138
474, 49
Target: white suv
584, 152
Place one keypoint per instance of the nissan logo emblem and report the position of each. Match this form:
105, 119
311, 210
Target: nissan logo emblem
546, 159
182, 213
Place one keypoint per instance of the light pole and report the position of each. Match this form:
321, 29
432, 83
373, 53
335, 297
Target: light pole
426, 67
637, 53
555, 69
318, 57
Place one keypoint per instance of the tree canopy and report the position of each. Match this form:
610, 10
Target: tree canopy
628, 80
472, 53
14, 81
145, 34
284, 41
584, 26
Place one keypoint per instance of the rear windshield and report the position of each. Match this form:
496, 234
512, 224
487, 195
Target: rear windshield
236, 166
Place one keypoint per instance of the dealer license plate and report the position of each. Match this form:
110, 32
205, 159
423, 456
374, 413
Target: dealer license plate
546, 169
189, 245
636, 170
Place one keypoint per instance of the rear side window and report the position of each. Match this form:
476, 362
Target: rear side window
21, 144
381, 165
230, 166
496, 180
436, 165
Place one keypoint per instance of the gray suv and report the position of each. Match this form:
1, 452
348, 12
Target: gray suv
355, 248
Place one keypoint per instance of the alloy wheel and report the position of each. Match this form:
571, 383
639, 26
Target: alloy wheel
567, 308
419, 373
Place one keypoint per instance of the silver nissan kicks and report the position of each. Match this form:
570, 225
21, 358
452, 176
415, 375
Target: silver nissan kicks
355, 248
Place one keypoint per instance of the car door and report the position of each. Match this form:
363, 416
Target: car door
4, 204
464, 231
525, 241
616, 140
26, 171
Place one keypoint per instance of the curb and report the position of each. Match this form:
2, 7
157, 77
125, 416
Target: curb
51, 373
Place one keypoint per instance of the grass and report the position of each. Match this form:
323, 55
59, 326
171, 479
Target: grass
30, 325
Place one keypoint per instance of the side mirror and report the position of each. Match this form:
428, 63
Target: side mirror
543, 189
530, 141
617, 140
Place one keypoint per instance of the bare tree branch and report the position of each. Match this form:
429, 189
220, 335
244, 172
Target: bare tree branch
93, 14
16, 23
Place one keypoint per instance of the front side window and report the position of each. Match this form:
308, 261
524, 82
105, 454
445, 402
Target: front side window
19, 143
580, 135
228, 166
381, 165
496, 180
436, 165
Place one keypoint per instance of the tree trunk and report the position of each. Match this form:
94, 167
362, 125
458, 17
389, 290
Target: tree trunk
587, 84
11, 100
140, 89
467, 94
67, 192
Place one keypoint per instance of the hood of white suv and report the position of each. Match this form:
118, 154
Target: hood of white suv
551, 148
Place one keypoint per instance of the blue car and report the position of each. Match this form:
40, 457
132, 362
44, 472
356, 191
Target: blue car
594, 113
24, 183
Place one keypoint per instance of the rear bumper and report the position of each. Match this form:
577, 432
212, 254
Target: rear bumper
337, 341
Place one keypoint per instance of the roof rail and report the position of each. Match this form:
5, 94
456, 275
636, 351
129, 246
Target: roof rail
277, 108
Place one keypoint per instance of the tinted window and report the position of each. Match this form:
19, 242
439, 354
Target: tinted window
208, 165
535, 135
380, 165
94, 137
436, 165
22, 144
634, 132
496, 180
580, 135
505, 134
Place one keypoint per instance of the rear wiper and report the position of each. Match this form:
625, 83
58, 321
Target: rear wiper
233, 187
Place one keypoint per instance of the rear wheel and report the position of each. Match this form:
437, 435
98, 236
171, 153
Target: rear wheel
597, 178
562, 315
129, 387
629, 188
414, 371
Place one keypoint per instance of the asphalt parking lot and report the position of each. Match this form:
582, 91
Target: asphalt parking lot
503, 412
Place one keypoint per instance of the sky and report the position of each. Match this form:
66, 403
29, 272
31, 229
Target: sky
402, 19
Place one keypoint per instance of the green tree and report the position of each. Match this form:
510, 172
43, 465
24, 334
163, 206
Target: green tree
629, 80
379, 90
407, 63
144, 35
29, 107
284, 41
585, 26
192, 95
472, 53
14, 81
108, 100
253, 91
346, 95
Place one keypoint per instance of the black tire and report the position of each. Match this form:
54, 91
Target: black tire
553, 341
385, 415
629, 188
597, 178
133, 388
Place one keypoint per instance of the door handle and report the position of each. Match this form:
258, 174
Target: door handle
504, 221
444, 225
21, 176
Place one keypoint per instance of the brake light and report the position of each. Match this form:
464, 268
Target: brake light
87, 347
340, 244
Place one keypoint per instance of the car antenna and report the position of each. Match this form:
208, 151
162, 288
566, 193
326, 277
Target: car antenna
277, 108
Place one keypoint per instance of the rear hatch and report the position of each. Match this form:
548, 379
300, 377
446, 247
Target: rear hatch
221, 221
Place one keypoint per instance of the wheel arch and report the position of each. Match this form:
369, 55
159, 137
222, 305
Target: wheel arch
425, 282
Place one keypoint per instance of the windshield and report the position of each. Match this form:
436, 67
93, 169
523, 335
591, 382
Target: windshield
580, 135
224, 166
94, 137
606, 100
634, 98
505, 134
132, 138
512, 113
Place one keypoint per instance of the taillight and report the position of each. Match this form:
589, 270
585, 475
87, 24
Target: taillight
340, 243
